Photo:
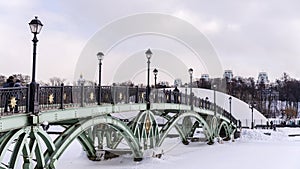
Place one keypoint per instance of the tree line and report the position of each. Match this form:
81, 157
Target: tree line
280, 98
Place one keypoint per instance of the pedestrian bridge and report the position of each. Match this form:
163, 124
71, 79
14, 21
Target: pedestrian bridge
27, 141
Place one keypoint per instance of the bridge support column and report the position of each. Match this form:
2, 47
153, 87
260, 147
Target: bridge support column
26, 164
100, 136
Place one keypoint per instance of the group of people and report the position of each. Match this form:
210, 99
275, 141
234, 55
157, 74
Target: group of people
10, 83
272, 125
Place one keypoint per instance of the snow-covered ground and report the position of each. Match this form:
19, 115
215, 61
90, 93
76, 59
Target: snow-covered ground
254, 150
240, 110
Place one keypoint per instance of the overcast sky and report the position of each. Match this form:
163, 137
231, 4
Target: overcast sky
248, 36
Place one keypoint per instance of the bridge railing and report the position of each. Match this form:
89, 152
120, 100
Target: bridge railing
16, 100
169, 96
13, 100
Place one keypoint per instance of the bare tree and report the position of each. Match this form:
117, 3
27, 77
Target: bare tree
56, 81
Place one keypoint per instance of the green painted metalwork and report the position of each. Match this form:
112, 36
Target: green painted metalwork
177, 127
142, 133
226, 127
145, 129
112, 136
88, 146
187, 125
166, 129
74, 131
8, 123
213, 123
27, 143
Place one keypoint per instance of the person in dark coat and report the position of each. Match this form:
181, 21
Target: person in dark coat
18, 95
271, 124
9, 83
176, 95
18, 83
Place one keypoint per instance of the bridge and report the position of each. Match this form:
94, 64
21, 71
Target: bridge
27, 141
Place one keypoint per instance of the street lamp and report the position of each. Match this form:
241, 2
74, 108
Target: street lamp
35, 27
215, 108
191, 83
100, 56
186, 86
148, 56
251, 106
81, 82
230, 98
155, 71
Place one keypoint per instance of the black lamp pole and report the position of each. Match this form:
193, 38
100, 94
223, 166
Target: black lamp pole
230, 98
191, 84
215, 107
155, 71
148, 56
35, 27
100, 58
252, 107
252, 122
34, 40
186, 86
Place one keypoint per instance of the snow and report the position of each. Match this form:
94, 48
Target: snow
239, 109
254, 150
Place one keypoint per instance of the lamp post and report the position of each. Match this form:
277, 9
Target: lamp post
230, 98
100, 58
191, 83
35, 27
215, 108
81, 82
148, 56
155, 71
251, 106
185, 86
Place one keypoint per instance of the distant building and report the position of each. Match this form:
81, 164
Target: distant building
177, 82
263, 78
205, 77
163, 84
228, 75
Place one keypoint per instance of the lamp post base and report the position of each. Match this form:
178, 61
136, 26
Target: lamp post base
33, 101
148, 106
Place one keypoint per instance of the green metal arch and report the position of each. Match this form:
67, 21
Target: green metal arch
86, 142
87, 145
28, 147
226, 127
179, 130
140, 129
166, 129
7, 140
74, 131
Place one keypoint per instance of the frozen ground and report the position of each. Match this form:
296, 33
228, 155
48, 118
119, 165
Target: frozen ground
254, 150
